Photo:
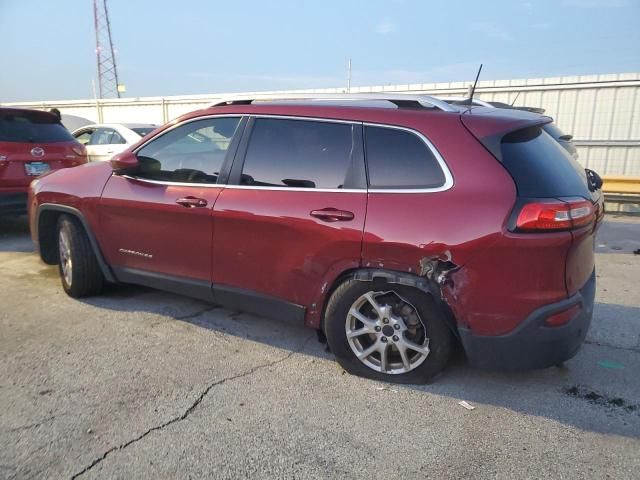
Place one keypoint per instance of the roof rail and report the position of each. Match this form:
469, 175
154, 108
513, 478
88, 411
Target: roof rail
398, 99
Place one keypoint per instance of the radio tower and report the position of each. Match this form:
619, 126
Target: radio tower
107, 71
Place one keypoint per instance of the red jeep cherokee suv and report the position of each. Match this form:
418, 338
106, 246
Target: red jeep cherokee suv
32, 142
396, 225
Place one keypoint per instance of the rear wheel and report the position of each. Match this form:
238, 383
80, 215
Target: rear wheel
80, 272
394, 333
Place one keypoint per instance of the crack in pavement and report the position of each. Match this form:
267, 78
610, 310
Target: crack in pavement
198, 313
31, 425
191, 408
614, 347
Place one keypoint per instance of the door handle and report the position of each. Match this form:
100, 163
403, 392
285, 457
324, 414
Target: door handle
332, 215
191, 202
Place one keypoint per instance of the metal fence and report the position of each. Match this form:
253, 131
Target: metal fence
602, 112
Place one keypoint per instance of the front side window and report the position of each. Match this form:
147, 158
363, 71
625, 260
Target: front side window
102, 136
298, 154
84, 137
398, 159
192, 153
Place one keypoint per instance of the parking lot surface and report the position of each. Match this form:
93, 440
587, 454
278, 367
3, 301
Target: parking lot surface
144, 384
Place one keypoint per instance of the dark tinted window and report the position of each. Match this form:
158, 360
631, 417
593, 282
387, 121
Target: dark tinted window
541, 167
191, 153
298, 153
32, 127
400, 159
142, 131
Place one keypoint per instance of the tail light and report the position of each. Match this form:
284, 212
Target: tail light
551, 215
563, 317
79, 150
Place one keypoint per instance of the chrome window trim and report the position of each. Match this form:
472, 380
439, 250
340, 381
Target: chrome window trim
177, 184
297, 189
448, 183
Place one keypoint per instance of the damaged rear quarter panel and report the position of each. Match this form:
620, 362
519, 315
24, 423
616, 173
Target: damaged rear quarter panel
436, 234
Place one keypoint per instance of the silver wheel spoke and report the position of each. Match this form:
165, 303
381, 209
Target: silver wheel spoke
403, 355
376, 306
361, 331
368, 351
423, 349
362, 318
65, 257
383, 357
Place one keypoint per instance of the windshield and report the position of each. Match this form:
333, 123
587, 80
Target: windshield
142, 131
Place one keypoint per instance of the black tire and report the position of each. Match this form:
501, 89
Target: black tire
440, 338
86, 278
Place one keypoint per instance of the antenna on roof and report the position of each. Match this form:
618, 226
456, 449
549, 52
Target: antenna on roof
514, 100
473, 89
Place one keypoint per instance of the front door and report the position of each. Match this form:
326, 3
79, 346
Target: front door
295, 216
156, 223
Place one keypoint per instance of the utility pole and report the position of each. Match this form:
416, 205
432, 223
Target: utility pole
349, 76
108, 84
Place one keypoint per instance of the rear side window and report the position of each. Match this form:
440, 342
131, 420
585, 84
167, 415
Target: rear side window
400, 159
33, 128
298, 154
540, 166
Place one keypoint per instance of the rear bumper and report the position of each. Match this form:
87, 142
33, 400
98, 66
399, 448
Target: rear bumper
13, 203
533, 345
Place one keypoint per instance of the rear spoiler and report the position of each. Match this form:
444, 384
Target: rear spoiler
490, 125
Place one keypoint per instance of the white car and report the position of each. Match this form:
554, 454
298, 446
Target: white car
103, 141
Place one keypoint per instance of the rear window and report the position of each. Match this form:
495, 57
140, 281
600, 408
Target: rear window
540, 166
142, 131
399, 159
32, 128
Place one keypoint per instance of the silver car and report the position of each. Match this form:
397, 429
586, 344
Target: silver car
103, 141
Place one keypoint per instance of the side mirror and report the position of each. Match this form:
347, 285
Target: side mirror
594, 180
125, 162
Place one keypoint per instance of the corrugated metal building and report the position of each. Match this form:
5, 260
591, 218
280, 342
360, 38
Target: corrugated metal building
602, 112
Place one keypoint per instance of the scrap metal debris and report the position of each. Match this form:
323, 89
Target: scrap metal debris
466, 405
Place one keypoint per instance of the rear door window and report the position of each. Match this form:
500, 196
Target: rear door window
191, 153
399, 159
117, 139
299, 154
540, 166
35, 127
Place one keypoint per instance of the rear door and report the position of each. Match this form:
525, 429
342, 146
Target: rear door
156, 223
293, 215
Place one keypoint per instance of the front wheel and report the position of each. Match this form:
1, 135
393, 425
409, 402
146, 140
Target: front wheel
394, 333
79, 269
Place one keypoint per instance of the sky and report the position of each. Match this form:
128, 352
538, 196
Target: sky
181, 47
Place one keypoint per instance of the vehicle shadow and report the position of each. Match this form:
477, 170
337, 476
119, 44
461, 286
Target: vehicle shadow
14, 234
605, 401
